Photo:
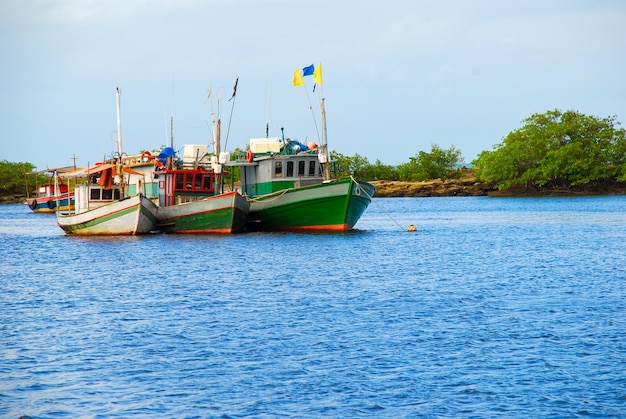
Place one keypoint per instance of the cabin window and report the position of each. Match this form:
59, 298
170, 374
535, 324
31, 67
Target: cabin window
207, 182
107, 194
197, 182
278, 169
289, 169
95, 194
116, 194
301, 168
311, 167
180, 181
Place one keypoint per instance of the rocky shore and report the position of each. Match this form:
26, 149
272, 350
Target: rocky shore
12, 199
466, 186
437, 187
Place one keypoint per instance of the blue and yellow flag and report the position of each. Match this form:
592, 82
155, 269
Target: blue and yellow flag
297, 78
308, 71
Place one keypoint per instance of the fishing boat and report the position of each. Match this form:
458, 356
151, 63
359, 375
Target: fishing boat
188, 204
287, 190
192, 199
53, 195
289, 184
102, 204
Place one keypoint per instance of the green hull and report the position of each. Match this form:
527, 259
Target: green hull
221, 214
334, 206
225, 221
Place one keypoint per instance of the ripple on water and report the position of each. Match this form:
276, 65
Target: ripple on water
495, 307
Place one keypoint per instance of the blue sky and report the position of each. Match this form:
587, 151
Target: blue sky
399, 75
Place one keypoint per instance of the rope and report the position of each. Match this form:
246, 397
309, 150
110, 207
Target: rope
263, 197
379, 206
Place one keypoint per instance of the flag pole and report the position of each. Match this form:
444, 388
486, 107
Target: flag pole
324, 153
312, 113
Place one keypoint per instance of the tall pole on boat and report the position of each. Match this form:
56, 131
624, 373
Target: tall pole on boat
324, 155
56, 191
218, 167
119, 141
172, 131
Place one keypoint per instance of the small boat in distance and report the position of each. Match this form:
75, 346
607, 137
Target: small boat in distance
102, 205
52, 196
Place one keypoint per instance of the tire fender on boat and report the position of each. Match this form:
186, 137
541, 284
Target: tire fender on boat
51, 204
250, 156
32, 204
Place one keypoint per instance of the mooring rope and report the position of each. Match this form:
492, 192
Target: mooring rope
379, 206
265, 198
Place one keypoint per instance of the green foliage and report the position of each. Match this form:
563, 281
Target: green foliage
360, 166
13, 178
438, 164
380, 171
346, 165
556, 150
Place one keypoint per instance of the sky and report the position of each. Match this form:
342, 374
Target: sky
398, 75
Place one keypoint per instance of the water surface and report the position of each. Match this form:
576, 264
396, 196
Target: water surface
512, 307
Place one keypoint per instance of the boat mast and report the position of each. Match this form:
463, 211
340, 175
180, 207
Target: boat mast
218, 168
324, 155
119, 141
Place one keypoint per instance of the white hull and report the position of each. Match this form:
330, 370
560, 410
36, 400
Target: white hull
130, 216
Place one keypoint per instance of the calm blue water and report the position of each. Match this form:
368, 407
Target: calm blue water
512, 307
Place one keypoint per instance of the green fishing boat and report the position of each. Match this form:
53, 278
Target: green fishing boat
289, 185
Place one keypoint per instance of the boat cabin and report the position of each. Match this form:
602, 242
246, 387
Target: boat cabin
269, 174
48, 190
185, 185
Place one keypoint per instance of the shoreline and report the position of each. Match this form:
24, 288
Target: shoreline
466, 186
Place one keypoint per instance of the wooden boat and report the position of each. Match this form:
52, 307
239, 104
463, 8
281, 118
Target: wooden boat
126, 216
53, 195
191, 195
289, 185
102, 206
188, 204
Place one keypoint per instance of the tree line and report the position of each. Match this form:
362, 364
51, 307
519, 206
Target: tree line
555, 150
552, 151
15, 181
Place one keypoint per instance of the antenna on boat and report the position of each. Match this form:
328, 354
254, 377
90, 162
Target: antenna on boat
172, 131
119, 140
232, 108
267, 110
172, 117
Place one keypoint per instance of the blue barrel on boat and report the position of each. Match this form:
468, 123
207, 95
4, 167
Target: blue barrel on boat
166, 153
